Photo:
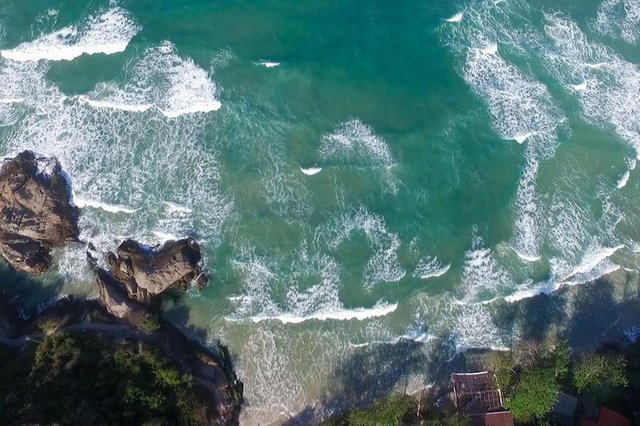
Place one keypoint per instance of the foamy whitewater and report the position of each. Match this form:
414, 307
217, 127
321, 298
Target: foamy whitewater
386, 189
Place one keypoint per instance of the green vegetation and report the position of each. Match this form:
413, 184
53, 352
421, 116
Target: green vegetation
530, 378
82, 378
386, 412
148, 324
538, 384
598, 375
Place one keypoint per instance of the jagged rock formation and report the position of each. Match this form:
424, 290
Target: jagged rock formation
148, 272
144, 274
115, 299
36, 213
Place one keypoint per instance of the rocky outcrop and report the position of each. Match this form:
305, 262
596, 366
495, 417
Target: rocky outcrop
116, 301
144, 274
148, 272
36, 213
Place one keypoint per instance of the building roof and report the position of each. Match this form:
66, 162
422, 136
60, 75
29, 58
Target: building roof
564, 409
477, 393
499, 418
607, 417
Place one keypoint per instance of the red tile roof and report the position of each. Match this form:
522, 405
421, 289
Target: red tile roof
500, 418
607, 417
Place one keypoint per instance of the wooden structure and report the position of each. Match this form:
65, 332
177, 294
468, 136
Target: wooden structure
479, 396
477, 393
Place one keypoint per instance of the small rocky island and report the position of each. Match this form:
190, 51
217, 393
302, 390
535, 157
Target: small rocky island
153, 371
37, 213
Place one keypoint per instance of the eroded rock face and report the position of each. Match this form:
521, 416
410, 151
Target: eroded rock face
116, 301
36, 213
147, 272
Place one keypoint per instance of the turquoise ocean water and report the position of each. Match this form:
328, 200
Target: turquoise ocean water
361, 173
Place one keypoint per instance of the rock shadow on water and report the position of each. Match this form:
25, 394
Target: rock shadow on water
33, 292
587, 316
369, 374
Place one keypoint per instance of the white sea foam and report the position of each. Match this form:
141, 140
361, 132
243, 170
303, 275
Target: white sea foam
202, 106
320, 301
526, 292
526, 257
593, 257
384, 265
611, 99
311, 170
108, 153
177, 208
456, 18
381, 309
619, 18
429, 267
113, 105
482, 276
491, 49
159, 79
520, 138
165, 236
111, 208
355, 142
522, 109
474, 328
11, 100
268, 64
623, 179
581, 86
108, 33
520, 105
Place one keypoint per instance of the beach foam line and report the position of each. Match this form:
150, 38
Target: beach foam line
456, 18
311, 170
592, 261
111, 208
107, 33
360, 314
527, 293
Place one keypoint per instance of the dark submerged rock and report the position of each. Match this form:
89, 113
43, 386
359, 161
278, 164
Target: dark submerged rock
36, 212
148, 272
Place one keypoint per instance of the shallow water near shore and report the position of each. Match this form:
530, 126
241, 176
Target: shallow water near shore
372, 182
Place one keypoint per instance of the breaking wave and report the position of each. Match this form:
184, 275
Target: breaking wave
160, 78
108, 32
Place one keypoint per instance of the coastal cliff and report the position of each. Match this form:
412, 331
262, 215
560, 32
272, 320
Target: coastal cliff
168, 378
